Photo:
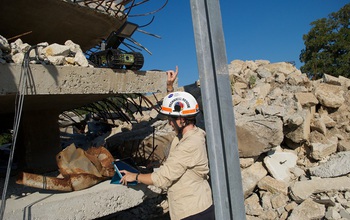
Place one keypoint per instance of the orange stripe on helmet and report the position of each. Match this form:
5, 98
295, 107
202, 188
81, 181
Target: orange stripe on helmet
186, 112
166, 109
190, 111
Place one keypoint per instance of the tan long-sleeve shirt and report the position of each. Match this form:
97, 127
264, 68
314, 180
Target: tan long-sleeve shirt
185, 175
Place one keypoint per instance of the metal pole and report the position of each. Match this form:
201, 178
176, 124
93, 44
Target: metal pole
218, 111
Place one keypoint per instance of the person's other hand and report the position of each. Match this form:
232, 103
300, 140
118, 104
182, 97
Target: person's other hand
171, 78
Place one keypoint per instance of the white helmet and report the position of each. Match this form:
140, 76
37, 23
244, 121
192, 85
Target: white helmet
179, 104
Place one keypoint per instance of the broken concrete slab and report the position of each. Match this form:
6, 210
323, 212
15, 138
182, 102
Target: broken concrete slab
304, 189
64, 87
100, 200
337, 165
50, 79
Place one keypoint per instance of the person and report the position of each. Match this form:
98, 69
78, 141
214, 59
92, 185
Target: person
184, 174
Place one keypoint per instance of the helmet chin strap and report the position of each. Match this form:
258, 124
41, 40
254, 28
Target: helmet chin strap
178, 129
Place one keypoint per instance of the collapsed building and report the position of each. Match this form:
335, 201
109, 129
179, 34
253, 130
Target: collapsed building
293, 139
43, 74
54, 57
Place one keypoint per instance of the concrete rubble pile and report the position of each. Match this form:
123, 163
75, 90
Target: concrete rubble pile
69, 54
293, 136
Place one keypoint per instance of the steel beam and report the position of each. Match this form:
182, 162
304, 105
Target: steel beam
218, 110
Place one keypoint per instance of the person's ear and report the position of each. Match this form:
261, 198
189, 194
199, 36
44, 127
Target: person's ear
183, 121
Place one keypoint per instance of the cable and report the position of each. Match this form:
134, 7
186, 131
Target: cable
25, 71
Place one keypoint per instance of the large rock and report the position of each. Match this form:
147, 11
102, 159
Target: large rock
330, 95
272, 185
56, 50
322, 150
297, 128
251, 176
258, 134
252, 205
308, 210
282, 67
306, 99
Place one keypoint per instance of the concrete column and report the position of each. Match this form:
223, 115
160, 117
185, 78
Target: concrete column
38, 141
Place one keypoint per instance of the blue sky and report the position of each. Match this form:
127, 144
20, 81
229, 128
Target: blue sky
253, 30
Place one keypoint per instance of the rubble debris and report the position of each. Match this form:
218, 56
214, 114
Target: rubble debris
69, 54
315, 116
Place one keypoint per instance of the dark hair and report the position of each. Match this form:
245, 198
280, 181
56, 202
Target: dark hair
190, 120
